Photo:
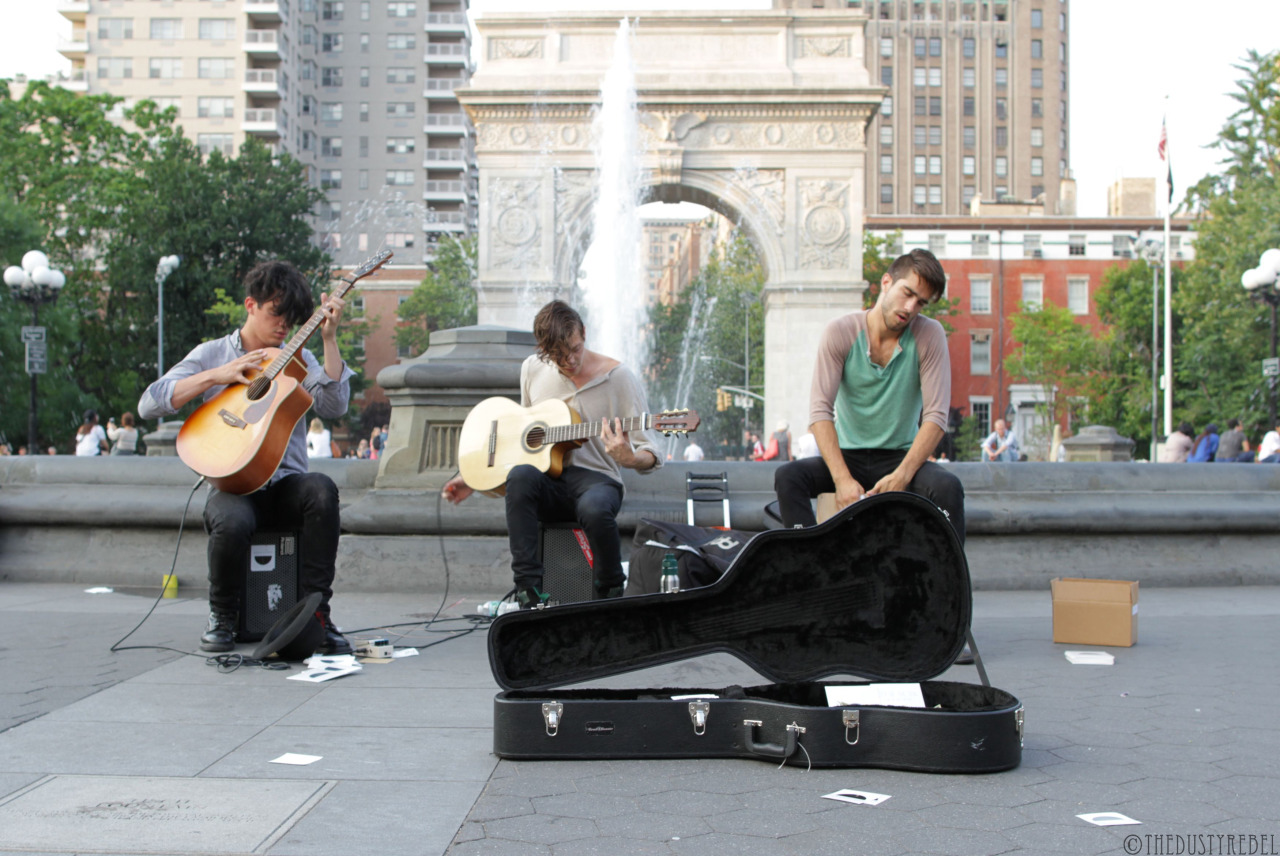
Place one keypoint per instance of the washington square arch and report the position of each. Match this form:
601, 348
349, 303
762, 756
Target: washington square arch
760, 115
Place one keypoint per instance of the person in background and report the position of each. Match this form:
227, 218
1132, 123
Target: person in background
757, 448
22, 450
125, 437
1269, 451
1233, 446
91, 440
362, 451
693, 452
1205, 447
807, 446
1001, 444
779, 448
53, 450
319, 440
1178, 445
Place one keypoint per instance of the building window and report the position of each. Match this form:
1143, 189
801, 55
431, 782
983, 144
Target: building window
935, 46
399, 240
331, 76
1037, 78
398, 9
968, 78
1037, 49
1002, 49
401, 41
1075, 245
922, 105
399, 108
1002, 136
166, 29
886, 75
1002, 108
919, 194
217, 29
399, 177
886, 106
115, 28
331, 111
400, 145
886, 194
980, 245
1002, 167
1037, 138
1122, 246
364, 77
209, 143
920, 46
970, 136
1078, 295
980, 409
362, 179
1037, 166
938, 244
1032, 247
968, 105
216, 68
886, 46
921, 165
935, 77
980, 289
331, 179
935, 135
1037, 19
980, 353
165, 68
920, 134
364, 111
935, 105
919, 76
1033, 293
331, 146
400, 75
968, 165
935, 194
214, 108
968, 46
935, 165
886, 164
364, 10
331, 43
364, 42
886, 134
364, 147
1002, 191
968, 193
1037, 108
1002, 78
331, 10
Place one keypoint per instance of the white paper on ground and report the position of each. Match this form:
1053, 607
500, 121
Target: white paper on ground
99, 590
856, 797
1109, 818
295, 759
324, 673
316, 661
886, 695
404, 652
1090, 658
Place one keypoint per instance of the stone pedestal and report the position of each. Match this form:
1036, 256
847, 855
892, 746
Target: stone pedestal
162, 442
431, 395
1098, 443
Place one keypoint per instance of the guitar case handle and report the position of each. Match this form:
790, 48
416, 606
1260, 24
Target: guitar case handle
778, 752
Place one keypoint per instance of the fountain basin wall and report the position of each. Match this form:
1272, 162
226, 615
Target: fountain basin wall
114, 521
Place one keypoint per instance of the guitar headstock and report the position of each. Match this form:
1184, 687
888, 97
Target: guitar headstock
371, 265
676, 421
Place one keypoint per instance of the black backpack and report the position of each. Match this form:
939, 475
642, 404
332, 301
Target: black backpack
702, 555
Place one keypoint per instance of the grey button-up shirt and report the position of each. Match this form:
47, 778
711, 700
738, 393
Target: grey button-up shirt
331, 396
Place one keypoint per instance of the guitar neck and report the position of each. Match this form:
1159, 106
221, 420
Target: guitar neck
587, 430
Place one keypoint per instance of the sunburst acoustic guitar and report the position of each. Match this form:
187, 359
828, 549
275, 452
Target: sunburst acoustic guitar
237, 439
499, 434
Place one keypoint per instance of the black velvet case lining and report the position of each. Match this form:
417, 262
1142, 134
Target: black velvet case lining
880, 591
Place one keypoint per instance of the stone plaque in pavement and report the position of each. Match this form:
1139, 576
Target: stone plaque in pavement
155, 815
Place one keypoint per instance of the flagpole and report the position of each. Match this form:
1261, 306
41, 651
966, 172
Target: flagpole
1168, 291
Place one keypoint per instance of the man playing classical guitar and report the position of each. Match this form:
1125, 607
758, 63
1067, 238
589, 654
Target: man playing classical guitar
878, 405
277, 298
589, 489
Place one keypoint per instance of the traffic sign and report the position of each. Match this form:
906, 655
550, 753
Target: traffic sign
37, 357
1271, 367
33, 334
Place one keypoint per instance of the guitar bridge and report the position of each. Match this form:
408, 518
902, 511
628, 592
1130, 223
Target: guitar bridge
232, 420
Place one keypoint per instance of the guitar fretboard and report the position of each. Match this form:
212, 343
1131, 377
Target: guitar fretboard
585, 430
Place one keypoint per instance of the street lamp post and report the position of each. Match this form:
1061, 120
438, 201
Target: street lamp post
167, 265
1152, 250
1260, 282
34, 283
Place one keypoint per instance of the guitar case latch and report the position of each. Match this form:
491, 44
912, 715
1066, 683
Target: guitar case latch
852, 722
551, 713
698, 712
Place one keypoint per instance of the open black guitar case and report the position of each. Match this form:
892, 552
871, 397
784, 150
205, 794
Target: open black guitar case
880, 592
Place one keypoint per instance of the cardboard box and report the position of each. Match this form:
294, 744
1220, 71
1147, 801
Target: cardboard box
1095, 612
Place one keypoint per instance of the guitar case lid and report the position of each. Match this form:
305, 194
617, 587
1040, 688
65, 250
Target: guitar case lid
879, 591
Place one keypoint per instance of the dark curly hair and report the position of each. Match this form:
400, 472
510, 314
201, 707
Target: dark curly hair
553, 327
281, 281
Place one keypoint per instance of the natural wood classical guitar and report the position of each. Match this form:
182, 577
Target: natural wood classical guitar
237, 439
499, 434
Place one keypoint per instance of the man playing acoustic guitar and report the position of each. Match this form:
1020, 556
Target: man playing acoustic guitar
277, 298
589, 489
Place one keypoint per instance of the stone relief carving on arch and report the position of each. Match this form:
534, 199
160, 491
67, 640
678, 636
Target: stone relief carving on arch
823, 224
823, 46
515, 223
515, 49
765, 189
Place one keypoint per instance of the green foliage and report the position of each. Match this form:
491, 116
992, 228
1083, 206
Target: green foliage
968, 439
446, 298
107, 203
1057, 353
718, 316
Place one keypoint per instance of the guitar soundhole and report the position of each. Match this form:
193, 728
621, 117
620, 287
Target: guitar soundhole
535, 438
258, 387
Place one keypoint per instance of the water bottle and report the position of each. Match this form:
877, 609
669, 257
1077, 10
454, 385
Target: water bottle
670, 574
489, 609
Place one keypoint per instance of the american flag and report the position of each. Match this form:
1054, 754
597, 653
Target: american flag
1164, 140
1163, 149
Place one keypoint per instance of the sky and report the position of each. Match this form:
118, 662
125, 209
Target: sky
1130, 63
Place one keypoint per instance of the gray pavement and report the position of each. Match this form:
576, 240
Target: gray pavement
154, 752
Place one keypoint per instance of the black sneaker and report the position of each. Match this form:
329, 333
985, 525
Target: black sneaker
220, 636
608, 593
529, 597
334, 642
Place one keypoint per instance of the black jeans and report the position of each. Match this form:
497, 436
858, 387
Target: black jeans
799, 481
590, 498
302, 502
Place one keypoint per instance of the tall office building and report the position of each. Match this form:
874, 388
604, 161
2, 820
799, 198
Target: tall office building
361, 91
975, 104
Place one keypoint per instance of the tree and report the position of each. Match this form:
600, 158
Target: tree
445, 298
1056, 353
1222, 332
718, 316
